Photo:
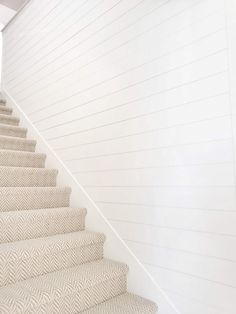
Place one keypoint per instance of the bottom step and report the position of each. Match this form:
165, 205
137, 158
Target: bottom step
69, 291
124, 304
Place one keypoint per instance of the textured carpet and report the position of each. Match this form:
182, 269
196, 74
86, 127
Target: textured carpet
49, 263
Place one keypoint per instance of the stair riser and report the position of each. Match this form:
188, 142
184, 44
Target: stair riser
8, 121
10, 159
38, 225
19, 178
14, 133
17, 145
24, 201
78, 301
14, 269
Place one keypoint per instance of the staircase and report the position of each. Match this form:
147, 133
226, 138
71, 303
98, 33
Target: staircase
49, 263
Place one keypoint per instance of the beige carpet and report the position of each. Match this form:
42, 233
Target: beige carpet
49, 263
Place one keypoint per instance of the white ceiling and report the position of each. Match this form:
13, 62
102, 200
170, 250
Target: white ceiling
12, 4
8, 9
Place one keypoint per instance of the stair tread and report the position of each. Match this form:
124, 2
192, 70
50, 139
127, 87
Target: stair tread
32, 294
4, 106
28, 224
3, 102
21, 158
126, 303
56, 242
4, 109
12, 127
17, 143
17, 139
27, 176
22, 153
34, 257
25, 198
8, 119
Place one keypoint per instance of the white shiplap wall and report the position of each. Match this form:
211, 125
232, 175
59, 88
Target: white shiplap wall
134, 96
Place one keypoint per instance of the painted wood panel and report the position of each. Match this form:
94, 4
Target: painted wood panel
134, 96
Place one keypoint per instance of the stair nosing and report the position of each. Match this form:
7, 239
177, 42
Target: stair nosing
13, 190
81, 210
28, 169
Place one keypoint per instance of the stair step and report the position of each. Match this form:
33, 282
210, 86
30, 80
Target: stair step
12, 158
11, 130
15, 143
67, 291
19, 176
3, 102
30, 224
23, 198
5, 110
31, 258
124, 304
6, 119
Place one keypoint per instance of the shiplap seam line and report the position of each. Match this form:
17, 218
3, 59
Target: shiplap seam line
109, 38
149, 149
139, 133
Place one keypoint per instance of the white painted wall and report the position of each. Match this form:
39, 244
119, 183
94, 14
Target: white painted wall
136, 98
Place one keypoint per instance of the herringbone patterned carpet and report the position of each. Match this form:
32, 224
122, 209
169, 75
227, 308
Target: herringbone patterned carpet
48, 262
